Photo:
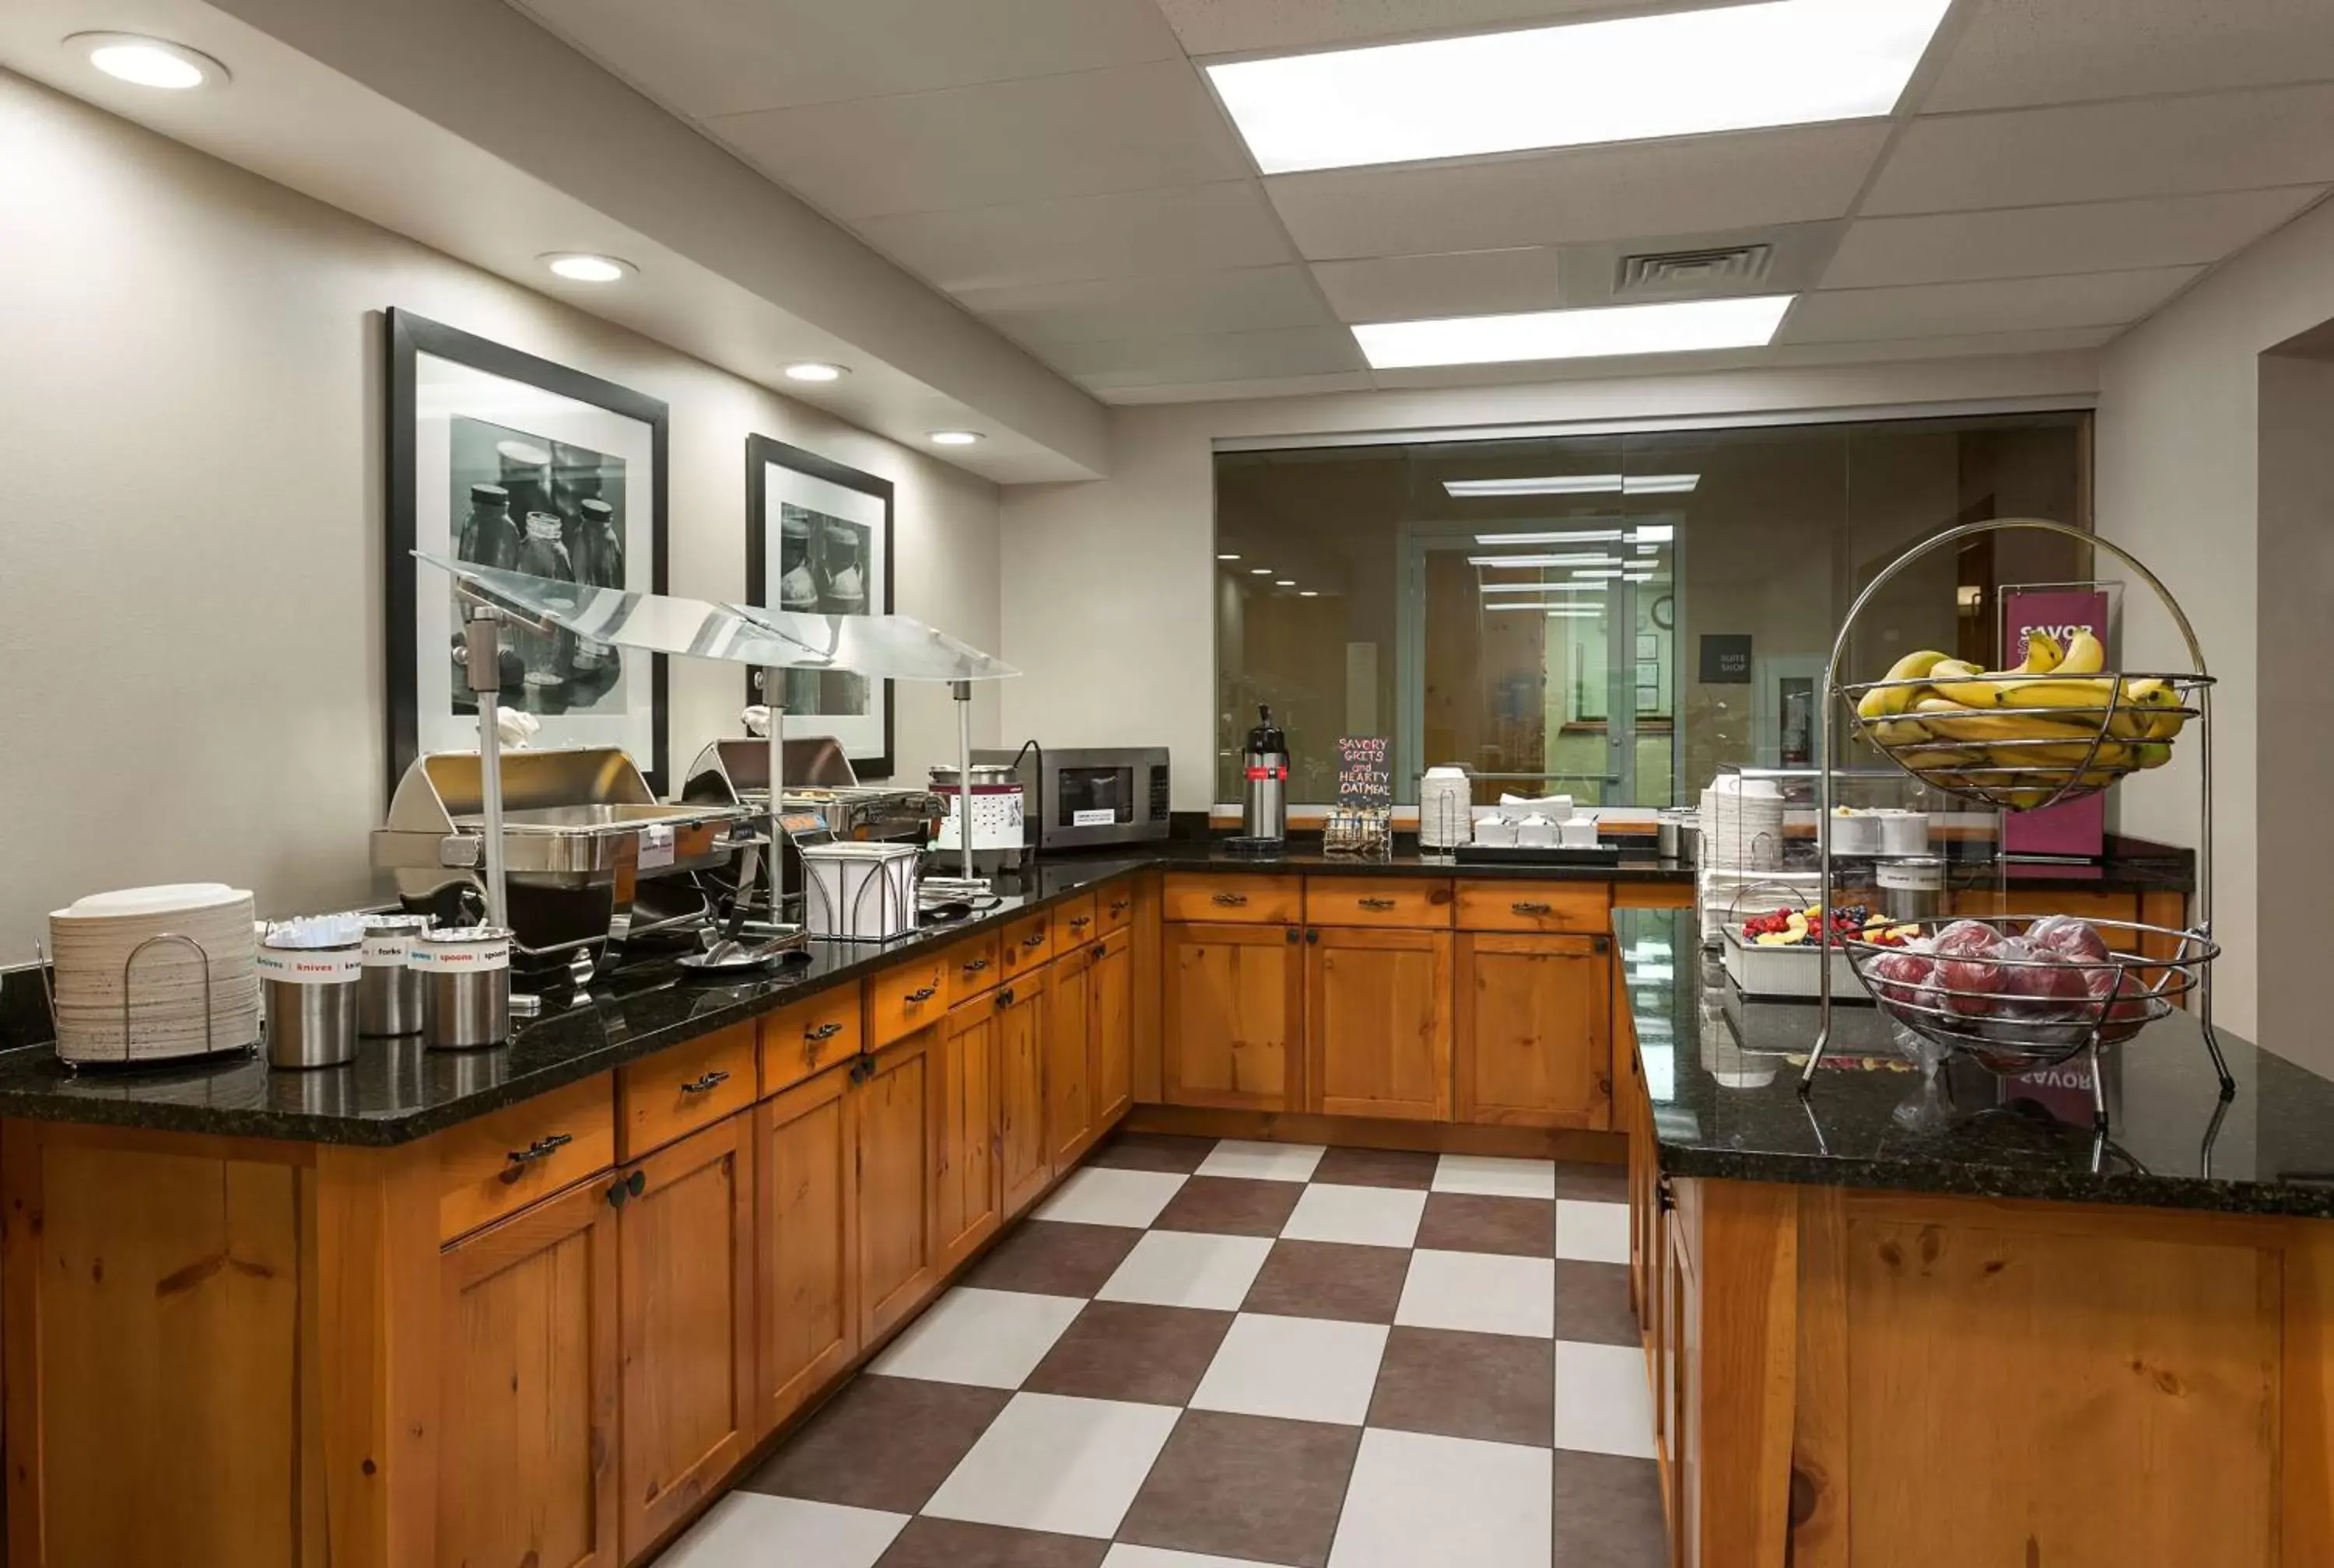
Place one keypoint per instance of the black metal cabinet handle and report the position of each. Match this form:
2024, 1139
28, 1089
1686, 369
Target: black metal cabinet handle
1231, 901
1119, 906
1080, 922
827, 1031
863, 1070
541, 1149
1005, 997
923, 994
616, 1196
637, 1183
1314, 937
1600, 944
1293, 934
1532, 909
1036, 939
1097, 951
975, 966
1377, 903
706, 1083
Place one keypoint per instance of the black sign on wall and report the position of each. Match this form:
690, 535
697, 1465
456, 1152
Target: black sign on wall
1725, 659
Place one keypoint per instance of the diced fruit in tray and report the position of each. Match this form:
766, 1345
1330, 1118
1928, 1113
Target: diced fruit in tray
1798, 928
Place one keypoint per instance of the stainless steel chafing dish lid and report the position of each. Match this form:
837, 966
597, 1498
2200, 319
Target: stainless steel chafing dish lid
819, 778
572, 818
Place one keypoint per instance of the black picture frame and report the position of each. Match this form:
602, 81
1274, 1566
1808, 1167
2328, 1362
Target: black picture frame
410, 336
764, 453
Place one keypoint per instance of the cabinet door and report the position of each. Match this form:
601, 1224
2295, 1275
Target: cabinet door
1534, 1042
806, 1278
1377, 1022
1023, 1166
1069, 1095
1234, 996
685, 1315
526, 1429
1111, 984
964, 1176
895, 1141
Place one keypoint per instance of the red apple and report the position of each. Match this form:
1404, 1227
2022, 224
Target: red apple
2070, 936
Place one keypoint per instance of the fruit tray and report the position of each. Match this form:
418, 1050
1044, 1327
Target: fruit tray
2019, 992
2054, 728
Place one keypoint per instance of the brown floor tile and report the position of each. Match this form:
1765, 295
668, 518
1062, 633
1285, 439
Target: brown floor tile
1494, 1387
1329, 1279
881, 1443
1151, 1355
1053, 1257
1376, 1168
1152, 1151
953, 1543
1226, 1206
1593, 1183
1245, 1486
1592, 1302
1467, 1222
1608, 1511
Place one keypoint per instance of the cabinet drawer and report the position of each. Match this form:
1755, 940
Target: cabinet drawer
1237, 897
974, 967
502, 1162
1410, 901
800, 1040
1074, 923
1114, 907
1027, 943
1571, 907
903, 1000
676, 1092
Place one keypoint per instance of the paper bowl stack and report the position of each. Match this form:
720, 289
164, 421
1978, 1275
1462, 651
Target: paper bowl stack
89, 946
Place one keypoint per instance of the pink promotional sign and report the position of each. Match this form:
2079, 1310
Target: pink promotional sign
2078, 828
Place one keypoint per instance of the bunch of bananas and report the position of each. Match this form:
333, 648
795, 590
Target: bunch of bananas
2054, 719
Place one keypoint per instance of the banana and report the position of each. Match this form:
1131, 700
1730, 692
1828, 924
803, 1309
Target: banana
1883, 700
2084, 656
2054, 692
2069, 754
1959, 722
1937, 759
2152, 752
1959, 681
1899, 731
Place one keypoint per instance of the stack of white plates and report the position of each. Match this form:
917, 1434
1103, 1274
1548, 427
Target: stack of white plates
1745, 830
90, 948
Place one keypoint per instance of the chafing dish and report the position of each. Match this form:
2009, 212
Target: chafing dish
820, 781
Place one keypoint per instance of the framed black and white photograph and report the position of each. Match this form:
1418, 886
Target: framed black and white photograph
818, 539
497, 457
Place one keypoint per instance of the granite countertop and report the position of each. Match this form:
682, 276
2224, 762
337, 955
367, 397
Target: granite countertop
1724, 1076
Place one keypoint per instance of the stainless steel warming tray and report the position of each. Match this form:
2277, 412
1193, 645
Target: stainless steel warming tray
736, 770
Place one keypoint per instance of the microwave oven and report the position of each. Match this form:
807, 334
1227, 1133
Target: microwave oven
1080, 797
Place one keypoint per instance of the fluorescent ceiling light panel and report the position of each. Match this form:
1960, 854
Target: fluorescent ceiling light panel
1597, 333
1599, 572
1683, 73
1577, 485
1576, 537
1654, 534
1542, 587
1575, 611
1590, 558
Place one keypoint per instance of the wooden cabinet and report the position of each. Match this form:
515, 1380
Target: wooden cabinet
674, 1092
527, 1401
1403, 902
894, 1119
1534, 1044
684, 1311
807, 1266
964, 1174
523, 1153
1110, 1029
1581, 909
1234, 997
1070, 1128
1024, 1159
1241, 897
1377, 1022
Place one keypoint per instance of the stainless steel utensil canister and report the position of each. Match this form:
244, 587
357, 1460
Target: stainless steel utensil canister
1678, 836
465, 986
1912, 889
312, 1004
388, 997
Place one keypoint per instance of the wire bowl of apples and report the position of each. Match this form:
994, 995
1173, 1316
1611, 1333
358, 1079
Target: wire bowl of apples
2020, 992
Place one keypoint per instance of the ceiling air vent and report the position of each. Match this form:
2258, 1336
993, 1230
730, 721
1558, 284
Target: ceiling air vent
1667, 272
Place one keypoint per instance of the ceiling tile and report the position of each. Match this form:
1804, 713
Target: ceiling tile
1229, 27
1799, 174
1196, 228
2002, 305
1210, 356
2015, 52
2036, 241
708, 57
1244, 300
1087, 132
2107, 152
1480, 283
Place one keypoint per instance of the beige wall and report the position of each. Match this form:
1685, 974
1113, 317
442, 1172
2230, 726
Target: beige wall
190, 526
2180, 484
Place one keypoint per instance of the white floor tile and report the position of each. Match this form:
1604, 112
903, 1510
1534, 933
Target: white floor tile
993, 1338
1099, 1195
1418, 1499
1188, 1269
1366, 1215
747, 1530
1481, 1292
1299, 1369
1262, 1161
1591, 1231
1126, 1556
1051, 1463
1603, 1403
1492, 1177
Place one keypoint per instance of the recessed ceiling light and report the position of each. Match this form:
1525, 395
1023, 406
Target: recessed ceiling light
1595, 332
1259, 571
585, 267
1654, 534
1649, 549
1227, 557
149, 61
1576, 537
1577, 485
1541, 587
1682, 73
1590, 558
1284, 583
1599, 572
1308, 593
955, 438
816, 371
1574, 614
1637, 577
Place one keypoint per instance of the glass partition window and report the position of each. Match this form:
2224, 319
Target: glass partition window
1609, 617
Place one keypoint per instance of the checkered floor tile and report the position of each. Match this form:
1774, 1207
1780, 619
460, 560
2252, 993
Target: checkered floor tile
1204, 1354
